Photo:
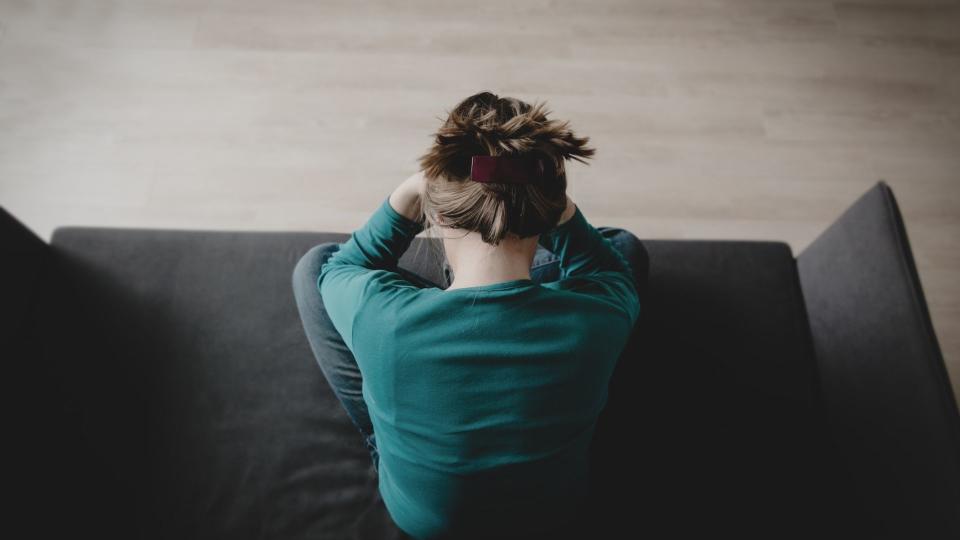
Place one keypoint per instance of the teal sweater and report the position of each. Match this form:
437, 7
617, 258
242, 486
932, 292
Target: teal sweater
483, 399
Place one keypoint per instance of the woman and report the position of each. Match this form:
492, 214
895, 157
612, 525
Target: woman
478, 397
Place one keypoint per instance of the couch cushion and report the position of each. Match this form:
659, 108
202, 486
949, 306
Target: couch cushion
199, 391
714, 420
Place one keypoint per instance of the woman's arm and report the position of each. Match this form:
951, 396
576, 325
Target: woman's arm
581, 248
405, 199
585, 253
364, 267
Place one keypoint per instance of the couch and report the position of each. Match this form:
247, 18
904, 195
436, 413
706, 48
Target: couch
160, 385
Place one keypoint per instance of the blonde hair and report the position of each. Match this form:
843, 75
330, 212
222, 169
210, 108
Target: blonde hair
486, 124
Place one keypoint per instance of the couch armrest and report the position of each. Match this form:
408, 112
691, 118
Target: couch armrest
52, 471
886, 390
25, 258
32, 421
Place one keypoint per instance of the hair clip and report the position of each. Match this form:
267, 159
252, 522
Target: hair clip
505, 169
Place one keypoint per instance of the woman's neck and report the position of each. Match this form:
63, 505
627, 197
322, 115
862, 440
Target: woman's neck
475, 263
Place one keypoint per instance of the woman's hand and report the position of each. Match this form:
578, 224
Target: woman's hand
406, 198
568, 212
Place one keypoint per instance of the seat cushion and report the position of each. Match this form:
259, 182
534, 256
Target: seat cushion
205, 415
714, 419
202, 404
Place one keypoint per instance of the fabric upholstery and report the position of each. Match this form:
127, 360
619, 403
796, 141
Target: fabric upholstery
885, 384
714, 422
39, 473
205, 415
201, 400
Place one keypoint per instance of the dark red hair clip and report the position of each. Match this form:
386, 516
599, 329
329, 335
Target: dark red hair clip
506, 169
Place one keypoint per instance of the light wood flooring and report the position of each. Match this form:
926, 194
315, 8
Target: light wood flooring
735, 119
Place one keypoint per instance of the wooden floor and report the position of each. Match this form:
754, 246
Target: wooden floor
736, 119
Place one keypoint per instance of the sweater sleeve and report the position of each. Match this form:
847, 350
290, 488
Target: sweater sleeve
365, 266
587, 256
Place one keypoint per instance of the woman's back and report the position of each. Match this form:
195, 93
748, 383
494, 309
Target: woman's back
483, 399
485, 418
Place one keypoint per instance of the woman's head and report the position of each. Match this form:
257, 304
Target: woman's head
485, 124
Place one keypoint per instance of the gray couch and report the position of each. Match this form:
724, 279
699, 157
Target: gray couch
160, 386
